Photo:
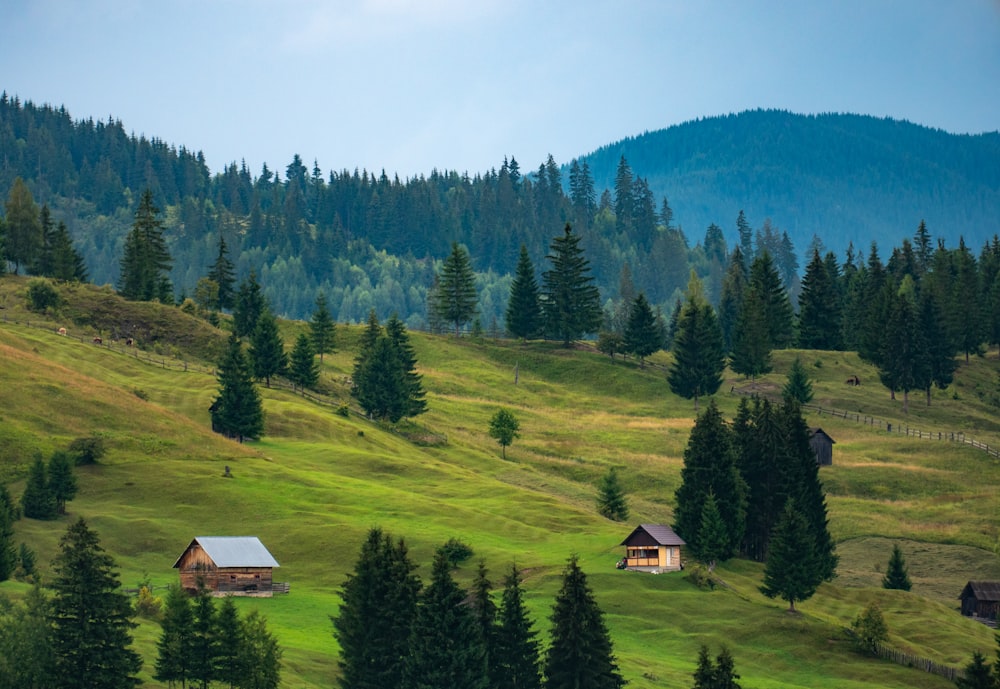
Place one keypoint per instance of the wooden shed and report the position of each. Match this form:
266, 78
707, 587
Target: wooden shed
981, 599
653, 548
822, 445
227, 566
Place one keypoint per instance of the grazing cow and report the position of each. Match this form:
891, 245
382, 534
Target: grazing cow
853, 380
129, 342
61, 331
98, 340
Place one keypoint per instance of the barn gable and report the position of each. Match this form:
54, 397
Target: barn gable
227, 565
822, 446
981, 599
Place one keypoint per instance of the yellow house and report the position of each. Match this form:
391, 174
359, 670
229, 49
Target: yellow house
653, 548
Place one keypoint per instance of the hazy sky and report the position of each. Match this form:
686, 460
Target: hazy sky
412, 85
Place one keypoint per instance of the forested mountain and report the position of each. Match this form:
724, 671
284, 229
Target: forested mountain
368, 241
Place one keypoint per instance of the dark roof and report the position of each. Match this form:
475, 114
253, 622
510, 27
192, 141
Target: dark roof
661, 534
233, 551
817, 431
982, 590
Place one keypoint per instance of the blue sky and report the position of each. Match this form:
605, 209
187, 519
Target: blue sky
412, 85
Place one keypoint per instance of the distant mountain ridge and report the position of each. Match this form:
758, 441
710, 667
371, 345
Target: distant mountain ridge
843, 177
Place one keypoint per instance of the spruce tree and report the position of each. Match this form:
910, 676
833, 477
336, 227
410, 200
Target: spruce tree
455, 299
725, 671
611, 501
446, 649
733, 286
267, 349
260, 655
61, 479
228, 666
896, 576
777, 309
819, 307
380, 383
42, 262
698, 359
484, 612
250, 304
67, 263
704, 673
145, 263
940, 353
302, 368
581, 655
378, 604
91, 617
524, 311
750, 354
174, 647
504, 428
715, 543
571, 302
413, 386
642, 334
322, 329
792, 571
222, 273
798, 386
904, 362
38, 502
22, 226
237, 411
204, 640
26, 659
976, 675
515, 653
8, 555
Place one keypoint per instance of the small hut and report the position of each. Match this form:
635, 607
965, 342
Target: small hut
822, 445
981, 599
227, 566
652, 548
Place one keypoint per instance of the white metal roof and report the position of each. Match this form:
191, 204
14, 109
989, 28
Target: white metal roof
234, 551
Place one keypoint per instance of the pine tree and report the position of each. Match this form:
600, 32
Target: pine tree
977, 674
904, 363
733, 286
67, 263
642, 334
222, 273
896, 576
750, 354
91, 618
940, 353
445, 647
516, 654
228, 666
62, 480
26, 658
798, 386
698, 359
250, 304
580, 655
146, 261
174, 647
380, 383
42, 262
204, 640
704, 673
710, 469
302, 368
322, 329
259, 654
267, 349
38, 502
504, 428
745, 233
378, 605
8, 555
715, 543
524, 312
237, 412
611, 502
792, 571
455, 299
819, 308
413, 386
484, 612
571, 302
22, 227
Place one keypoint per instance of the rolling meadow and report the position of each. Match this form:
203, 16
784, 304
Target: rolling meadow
317, 481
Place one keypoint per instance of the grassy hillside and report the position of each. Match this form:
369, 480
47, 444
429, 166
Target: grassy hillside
318, 481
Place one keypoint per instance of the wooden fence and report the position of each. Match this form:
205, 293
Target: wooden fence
887, 426
887, 652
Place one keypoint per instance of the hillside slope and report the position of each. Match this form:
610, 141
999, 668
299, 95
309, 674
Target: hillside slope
318, 481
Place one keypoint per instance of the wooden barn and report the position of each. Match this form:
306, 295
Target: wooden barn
227, 566
822, 445
981, 599
652, 548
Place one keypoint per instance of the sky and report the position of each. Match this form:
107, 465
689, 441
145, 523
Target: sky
408, 86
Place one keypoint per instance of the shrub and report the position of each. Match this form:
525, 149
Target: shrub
42, 295
701, 577
344, 410
869, 628
455, 552
87, 450
147, 605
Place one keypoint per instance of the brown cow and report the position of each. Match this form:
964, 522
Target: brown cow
98, 340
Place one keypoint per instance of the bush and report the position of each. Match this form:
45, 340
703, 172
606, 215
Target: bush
344, 410
701, 577
87, 450
42, 295
147, 605
870, 628
456, 552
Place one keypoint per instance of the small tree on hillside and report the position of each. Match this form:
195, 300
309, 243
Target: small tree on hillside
237, 412
896, 576
642, 333
977, 674
222, 273
714, 541
504, 427
267, 350
870, 628
798, 387
322, 329
524, 312
145, 263
792, 571
38, 502
62, 480
611, 501
455, 297
516, 655
303, 369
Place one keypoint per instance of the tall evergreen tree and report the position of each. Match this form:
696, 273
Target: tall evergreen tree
792, 571
322, 329
819, 308
625, 202
745, 233
733, 286
62, 481
38, 502
710, 469
302, 368
260, 655
455, 299
22, 226
611, 502
174, 647
642, 334
204, 640
145, 263
750, 354
698, 359
446, 649
896, 576
484, 612
940, 353
965, 317
250, 304
715, 543
571, 302
8, 555
267, 349
524, 311
42, 261
516, 647
976, 674
378, 606
91, 618
903, 360
237, 411
798, 387
26, 653
773, 293
223, 273
413, 386
66, 262
228, 666
380, 383
581, 655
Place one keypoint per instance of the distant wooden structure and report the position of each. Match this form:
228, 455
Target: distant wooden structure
822, 445
227, 566
653, 548
981, 599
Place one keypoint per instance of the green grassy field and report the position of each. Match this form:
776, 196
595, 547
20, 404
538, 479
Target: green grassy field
314, 485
